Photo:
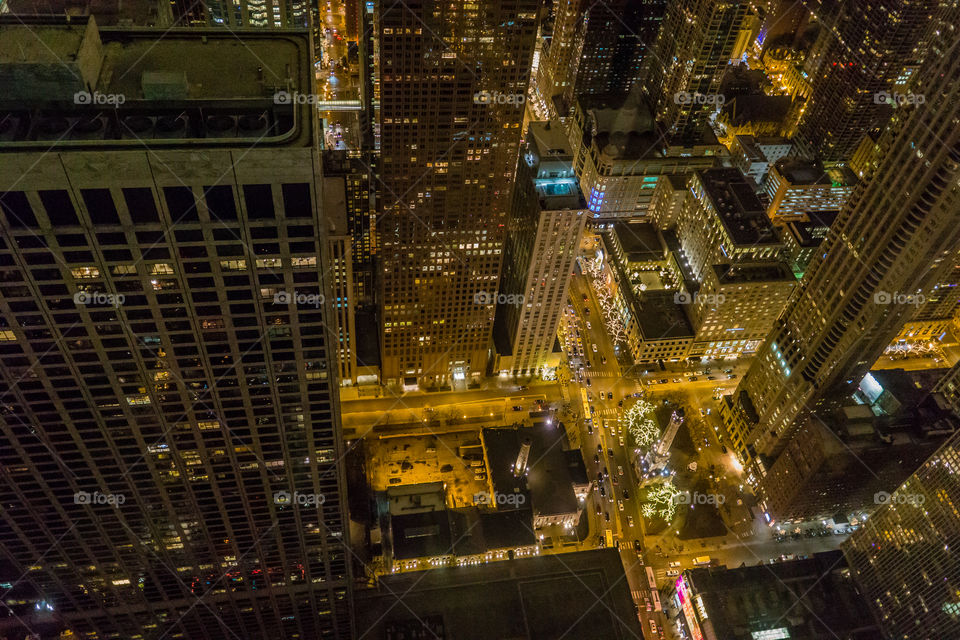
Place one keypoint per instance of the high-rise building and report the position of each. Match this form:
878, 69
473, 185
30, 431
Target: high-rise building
799, 187
169, 415
234, 14
894, 239
867, 53
697, 40
452, 80
903, 556
546, 221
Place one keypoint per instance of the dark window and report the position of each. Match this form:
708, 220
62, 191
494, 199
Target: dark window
19, 213
100, 206
296, 200
59, 208
141, 205
180, 202
220, 202
259, 198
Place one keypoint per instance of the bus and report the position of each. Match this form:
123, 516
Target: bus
609, 539
650, 579
701, 561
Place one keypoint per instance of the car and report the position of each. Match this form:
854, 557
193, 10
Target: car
675, 565
588, 382
517, 407
676, 380
626, 495
694, 378
702, 412
593, 409
589, 326
594, 347
603, 359
584, 297
610, 395
589, 396
731, 376
621, 442
620, 504
596, 458
395, 480
663, 381
605, 474
619, 470
653, 627
620, 404
649, 606
599, 510
599, 448
610, 452
723, 448
630, 524
672, 573
711, 377
636, 543
603, 492
728, 370
606, 515
615, 481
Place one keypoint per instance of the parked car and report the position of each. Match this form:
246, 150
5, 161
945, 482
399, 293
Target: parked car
609, 395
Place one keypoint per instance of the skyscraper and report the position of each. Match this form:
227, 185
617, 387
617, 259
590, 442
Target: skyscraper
546, 221
894, 239
904, 556
695, 43
453, 80
869, 51
171, 451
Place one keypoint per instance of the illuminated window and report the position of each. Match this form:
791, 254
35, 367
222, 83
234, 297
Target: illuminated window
268, 263
161, 269
233, 265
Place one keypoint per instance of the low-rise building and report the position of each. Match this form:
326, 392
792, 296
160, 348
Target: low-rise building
798, 187
802, 238
668, 198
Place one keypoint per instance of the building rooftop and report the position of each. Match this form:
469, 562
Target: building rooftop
548, 485
753, 272
549, 139
109, 12
135, 87
580, 595
661, 318
737, 205
641, 241
812, 232
756, 108
420, 535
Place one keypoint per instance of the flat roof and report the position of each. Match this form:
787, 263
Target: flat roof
661, 318
582, 595
811, 233
753, 272
737, 205
419, 535
641, 241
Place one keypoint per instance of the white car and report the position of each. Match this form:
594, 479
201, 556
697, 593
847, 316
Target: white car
619, 470
672, 573
594, 348
589, 326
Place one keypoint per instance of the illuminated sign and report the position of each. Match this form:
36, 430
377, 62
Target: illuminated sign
771, 634
683, 594
701, 609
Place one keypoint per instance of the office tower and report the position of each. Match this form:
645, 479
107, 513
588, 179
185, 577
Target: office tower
170, 426
895, 238
453, 79
949, 387
799, 187
147, 13
934, 309
355, 178
696, 42
869, 50
724, 222
546, 220
620, 157
903, 556
340, 248
238, 14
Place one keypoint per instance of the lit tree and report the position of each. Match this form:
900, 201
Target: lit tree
661, 501
641, 425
